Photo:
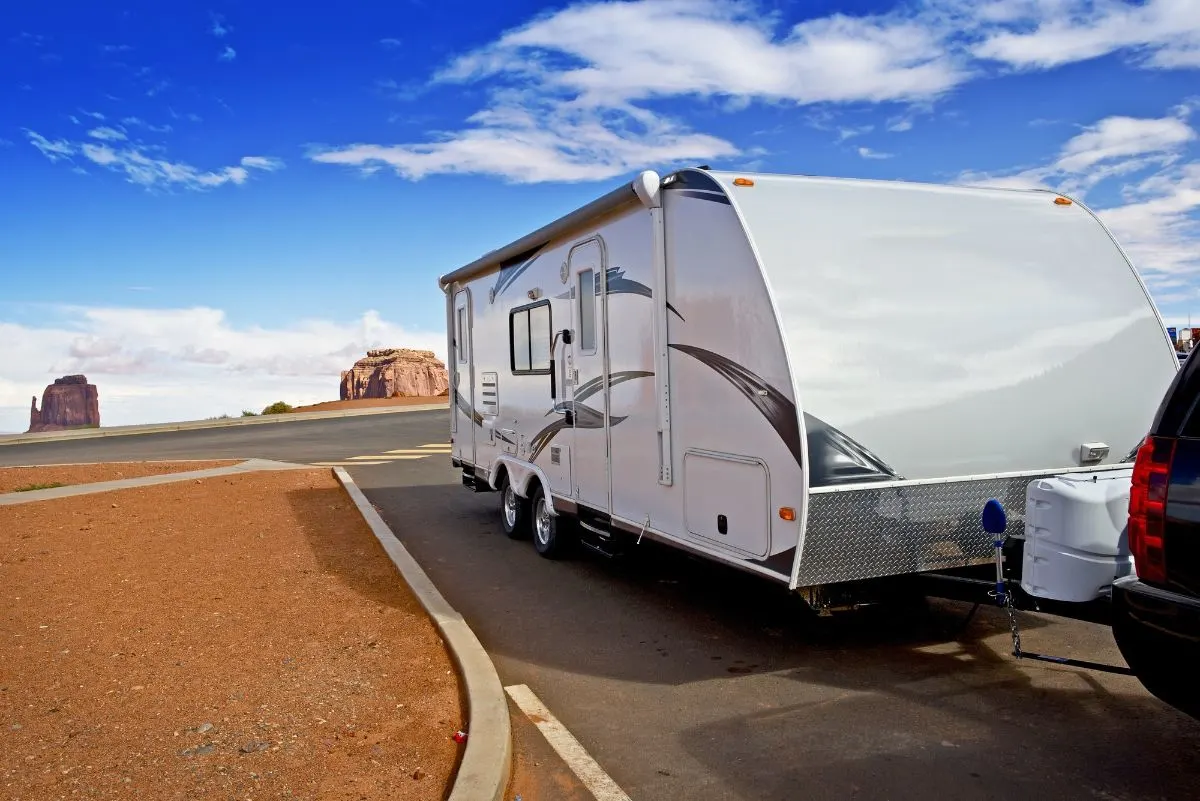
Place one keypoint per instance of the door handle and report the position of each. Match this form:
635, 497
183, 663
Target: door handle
565, 336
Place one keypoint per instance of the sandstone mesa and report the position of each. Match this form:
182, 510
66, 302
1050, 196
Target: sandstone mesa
395, 372
70, 402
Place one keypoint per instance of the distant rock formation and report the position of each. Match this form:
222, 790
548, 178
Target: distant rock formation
70, 402
395, 372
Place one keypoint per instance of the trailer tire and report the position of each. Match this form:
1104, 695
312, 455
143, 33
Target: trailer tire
514, 511
550, 537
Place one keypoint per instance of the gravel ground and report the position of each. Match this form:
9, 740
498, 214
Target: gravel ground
15, 478
235, 637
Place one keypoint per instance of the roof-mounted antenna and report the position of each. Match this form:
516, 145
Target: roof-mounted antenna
704, 167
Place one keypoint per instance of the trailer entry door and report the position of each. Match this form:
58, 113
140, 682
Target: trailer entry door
463, 379
589, 377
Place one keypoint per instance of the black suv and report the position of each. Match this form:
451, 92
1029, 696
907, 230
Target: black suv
1156, 611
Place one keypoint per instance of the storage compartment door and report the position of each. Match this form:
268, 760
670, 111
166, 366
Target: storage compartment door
726, 500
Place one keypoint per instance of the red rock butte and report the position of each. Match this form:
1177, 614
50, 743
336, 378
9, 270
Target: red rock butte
396, 373
70, 402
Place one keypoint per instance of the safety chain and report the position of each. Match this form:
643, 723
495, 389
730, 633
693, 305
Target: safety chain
1012, 623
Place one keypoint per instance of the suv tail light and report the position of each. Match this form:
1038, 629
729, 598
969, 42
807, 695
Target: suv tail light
1148, 507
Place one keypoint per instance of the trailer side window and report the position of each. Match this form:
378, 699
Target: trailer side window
587, 311
529, 339
460, 335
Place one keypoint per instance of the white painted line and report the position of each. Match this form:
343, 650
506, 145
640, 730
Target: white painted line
343, 464
410, 451
601, 785
443, 446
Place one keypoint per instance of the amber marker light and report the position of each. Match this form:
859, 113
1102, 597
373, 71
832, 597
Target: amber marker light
1062, 201
742, 182
787, 513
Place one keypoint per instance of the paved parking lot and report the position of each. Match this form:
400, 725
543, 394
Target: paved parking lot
689, 680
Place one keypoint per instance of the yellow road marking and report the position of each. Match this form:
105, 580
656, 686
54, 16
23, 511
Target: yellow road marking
389, 457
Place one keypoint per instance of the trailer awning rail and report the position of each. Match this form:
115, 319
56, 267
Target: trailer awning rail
644, 188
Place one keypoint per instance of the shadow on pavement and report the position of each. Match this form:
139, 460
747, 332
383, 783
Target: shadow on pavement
970, 735
624, 625
896, 703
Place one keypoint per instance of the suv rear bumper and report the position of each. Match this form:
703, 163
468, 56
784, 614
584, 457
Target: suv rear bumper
1158, 633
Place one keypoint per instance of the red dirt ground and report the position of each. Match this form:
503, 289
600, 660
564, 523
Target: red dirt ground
14, 478
372, 403
236, 637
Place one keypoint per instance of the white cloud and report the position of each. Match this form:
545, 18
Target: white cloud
139, 167
162, 365
868, 153
96, 115
1156, 221
55, 150
262, 163
228, 54
218, 28
1114, 146
1123, 137
1038, 34
1159, 226
725, 49
390, 43
569, 90
563, 143
191, 116
851, 132
140, 123
107, 134
602, 64
122, 48
24, 37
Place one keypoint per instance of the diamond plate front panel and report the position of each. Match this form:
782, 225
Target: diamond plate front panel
888, 531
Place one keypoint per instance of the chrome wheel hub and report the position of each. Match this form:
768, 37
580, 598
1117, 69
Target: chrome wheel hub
510, 506
541, 519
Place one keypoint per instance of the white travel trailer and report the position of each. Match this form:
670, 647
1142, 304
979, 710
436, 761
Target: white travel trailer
818, 380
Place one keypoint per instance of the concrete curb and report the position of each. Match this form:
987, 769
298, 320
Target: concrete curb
156, 428
486, 766
248, 466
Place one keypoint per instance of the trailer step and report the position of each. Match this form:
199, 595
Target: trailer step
473, 482
596, 528
599, 548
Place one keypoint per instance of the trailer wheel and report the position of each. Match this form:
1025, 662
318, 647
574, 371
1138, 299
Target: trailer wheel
514, 511
549, 535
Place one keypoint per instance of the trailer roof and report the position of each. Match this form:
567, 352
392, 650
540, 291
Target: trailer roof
626, 193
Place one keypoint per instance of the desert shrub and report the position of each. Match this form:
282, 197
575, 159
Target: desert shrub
32, 487
248, 413
278, 407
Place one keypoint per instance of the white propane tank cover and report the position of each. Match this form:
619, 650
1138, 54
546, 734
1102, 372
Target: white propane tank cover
1075, 539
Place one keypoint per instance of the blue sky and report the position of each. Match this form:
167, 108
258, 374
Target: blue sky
221, 205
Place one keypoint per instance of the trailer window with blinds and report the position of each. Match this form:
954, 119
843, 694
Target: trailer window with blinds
529, 339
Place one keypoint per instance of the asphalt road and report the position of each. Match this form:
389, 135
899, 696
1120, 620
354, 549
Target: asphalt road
689, 680
330, 439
